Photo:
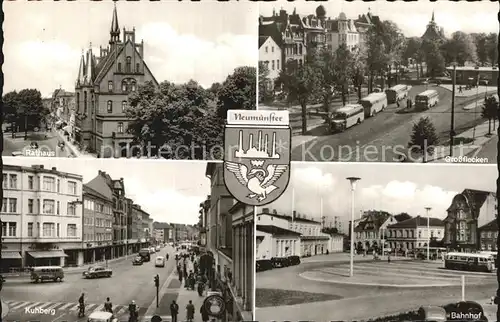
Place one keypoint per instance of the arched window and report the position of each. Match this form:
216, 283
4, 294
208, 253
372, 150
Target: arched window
110, 86
120, 127
137, 66
124, 85
128, 66
78, 102
119, 67
85, 102
110, 107
124, 106
133, 85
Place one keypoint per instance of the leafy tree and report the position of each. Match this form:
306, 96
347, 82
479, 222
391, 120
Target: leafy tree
490, 110
433, 58
179, 118
394, 41
238, 92
402, 216
376, 60
343, 70
411, 48
480, 42
460, 48
326, 64
358, 68
491, 45
10, 106
301, 83
423, 137
264, 92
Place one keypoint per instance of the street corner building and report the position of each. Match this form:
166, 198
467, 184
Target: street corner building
103, 84
228, 234
51, 218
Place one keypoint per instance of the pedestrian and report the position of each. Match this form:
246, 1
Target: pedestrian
388, 257
411, 103
108, 306
190, 311
180, 277
204, 314
174, 310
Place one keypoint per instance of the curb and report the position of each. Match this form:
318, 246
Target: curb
5, 309
163, 290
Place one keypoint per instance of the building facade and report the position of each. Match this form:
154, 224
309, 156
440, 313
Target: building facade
488, 235
97, 226
63, 106
142, 220
102, 88
371, 229
41, 217
342, 31
413, 233
273, 241
471, 75
433, 32
468, 211
242, 281
271, 56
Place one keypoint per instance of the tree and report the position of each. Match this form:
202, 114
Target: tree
433, 58
411, 49
301, 83
460, 48
238, 92
358, 69
179, 119
264, 92
490, 110
402, 216
376, 60
394, 42
423, 137
10, 106
481, 52
343, 70
491, 44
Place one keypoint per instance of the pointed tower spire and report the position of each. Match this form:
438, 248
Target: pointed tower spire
115, 28
432, 19
90, 66
81, 70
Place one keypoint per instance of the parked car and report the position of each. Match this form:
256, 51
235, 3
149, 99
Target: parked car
47, 273
432, 313
279, 262
263, 265
97, 271
294, 260
152, 250
160, 261
100, 316
158, 248
137, 261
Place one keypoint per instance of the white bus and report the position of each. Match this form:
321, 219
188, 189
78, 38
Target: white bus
489, 252
427, 99
470, 261
346, 116
397, 93
374, 103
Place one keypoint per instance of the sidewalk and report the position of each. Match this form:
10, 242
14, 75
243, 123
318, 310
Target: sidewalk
477, 137
74, 150
470, 92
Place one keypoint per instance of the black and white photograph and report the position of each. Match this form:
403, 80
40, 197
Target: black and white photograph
125, 79
379, 242
383, 81
123, 240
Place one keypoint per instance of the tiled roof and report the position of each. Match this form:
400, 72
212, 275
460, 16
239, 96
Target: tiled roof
492, 226
371, 220
274, 230
89, 190
475, 198
262, 40
418, 222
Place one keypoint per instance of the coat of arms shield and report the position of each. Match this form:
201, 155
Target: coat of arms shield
257, 155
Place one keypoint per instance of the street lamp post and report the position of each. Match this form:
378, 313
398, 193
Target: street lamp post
427, 209
352, 181
452, 125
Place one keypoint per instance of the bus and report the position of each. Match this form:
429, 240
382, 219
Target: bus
489, 252
145, 254
470, 261
397, 93
434, 252
346, 116
374, 103
427, 99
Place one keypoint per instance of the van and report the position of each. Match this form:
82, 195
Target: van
160, 261
47, 273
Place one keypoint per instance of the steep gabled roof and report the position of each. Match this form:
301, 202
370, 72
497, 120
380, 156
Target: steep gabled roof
102, 184
262, 40
475, 198
418, 222
491, 226
89, 190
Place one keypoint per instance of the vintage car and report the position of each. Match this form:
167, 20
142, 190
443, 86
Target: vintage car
97, 271
137, 261
100, 316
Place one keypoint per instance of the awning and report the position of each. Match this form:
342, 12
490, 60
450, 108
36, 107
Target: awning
6, 254
48, 254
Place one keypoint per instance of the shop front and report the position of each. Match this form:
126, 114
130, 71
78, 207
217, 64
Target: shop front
46, 258
11, 260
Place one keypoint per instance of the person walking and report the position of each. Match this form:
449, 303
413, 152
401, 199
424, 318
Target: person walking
174, 310
180, 276
108, 306
204, 314
388, 257
190, 311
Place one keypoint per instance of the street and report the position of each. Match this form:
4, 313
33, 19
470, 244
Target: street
45, 144
127, 283
322, 291
385, 136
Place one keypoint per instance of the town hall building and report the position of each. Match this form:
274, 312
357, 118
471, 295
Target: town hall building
102, 88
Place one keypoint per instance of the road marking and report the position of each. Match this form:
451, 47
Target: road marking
67, 305
121, 310
99, 308
19, 305
89, 307
53, 306
46, 305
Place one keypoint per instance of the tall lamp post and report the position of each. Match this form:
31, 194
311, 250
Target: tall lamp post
427, 209
352, 181
452, 122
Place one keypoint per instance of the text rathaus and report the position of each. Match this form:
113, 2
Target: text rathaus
102, 88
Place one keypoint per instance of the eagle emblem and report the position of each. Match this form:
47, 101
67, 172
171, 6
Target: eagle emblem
258, 181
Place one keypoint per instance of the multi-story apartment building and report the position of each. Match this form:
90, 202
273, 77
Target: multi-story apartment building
241, 283
315, 30
370, 229
41, 217
270, 54
115, 191
142, 220
468, 211
63, 106
413, 233
102, 88
97, 225
342, 31
488, 235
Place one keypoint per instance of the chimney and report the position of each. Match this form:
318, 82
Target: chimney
121, 179
295, 215
54, 169
275, 212
265, 210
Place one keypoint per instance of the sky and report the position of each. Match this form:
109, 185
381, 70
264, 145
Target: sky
394, 188
169, 191
202, 41
411, 17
